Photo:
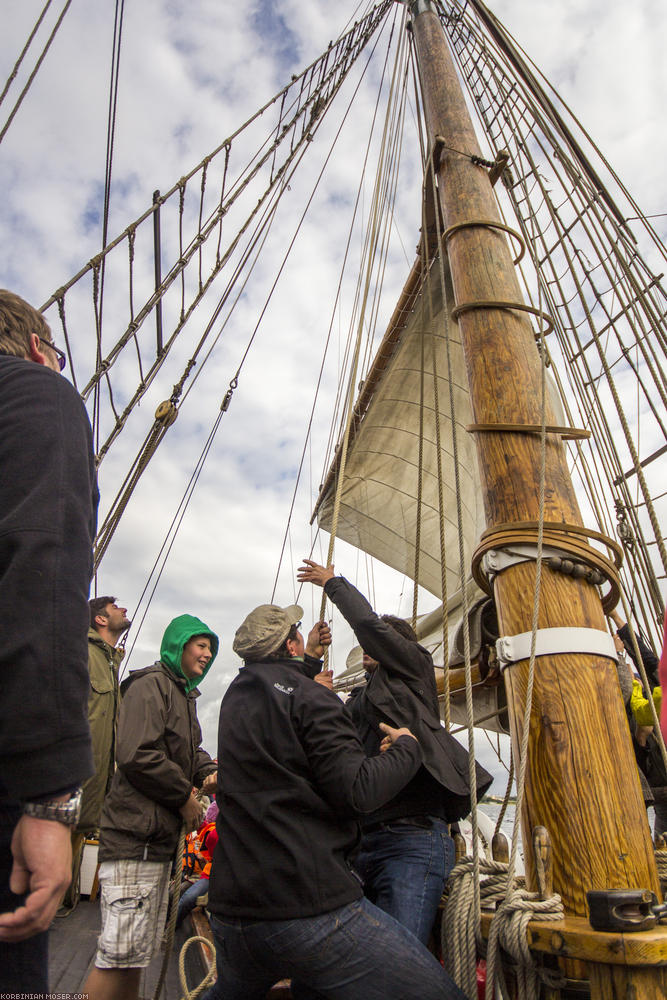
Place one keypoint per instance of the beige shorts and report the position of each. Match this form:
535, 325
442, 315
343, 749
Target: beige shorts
134, 896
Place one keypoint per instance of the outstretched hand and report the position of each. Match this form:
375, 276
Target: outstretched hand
312, 572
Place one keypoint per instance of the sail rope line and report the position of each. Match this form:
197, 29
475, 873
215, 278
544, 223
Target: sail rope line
394, 125
150, 445
463, 973
111, 133
578, 458
172, 531
324, 356
35, 70
374, 237
337, 422
576, 444
111, 128
426, 270
430, 173
187, 496
420, 446
510, 41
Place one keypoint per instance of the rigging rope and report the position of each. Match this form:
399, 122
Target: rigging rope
39, 62
17, 65
472, 774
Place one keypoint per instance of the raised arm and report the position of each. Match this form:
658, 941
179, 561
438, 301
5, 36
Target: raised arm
397, 654
646, 653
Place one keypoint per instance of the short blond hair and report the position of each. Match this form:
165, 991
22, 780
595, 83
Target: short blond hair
18, 321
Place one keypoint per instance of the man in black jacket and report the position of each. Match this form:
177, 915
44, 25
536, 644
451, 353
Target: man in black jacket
406, 851
292, 779
48, 505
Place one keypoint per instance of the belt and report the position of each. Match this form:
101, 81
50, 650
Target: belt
423, 822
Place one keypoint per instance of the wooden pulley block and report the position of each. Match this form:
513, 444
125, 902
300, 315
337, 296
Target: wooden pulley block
166, 413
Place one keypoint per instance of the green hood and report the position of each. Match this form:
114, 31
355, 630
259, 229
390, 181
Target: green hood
176, 635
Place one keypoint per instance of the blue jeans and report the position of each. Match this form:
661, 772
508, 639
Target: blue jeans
354, 952
23, 964
188, 900
404, 868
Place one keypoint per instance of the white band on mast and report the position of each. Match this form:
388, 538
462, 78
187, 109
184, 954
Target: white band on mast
554, 641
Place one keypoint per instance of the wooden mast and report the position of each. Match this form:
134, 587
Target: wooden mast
582, 782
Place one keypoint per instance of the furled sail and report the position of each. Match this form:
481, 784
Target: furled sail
379, 499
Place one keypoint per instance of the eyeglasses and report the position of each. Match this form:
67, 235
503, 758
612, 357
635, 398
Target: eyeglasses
60, 355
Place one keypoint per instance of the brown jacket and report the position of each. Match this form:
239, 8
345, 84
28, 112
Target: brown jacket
103, 663
159, 759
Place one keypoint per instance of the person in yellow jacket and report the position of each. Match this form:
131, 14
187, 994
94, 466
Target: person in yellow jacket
108, 623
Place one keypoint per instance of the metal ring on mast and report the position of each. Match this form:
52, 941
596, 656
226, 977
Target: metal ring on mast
521, 306
490, 224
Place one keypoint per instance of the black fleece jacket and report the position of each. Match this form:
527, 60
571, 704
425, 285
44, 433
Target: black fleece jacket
292, 778
402, 692
48, 509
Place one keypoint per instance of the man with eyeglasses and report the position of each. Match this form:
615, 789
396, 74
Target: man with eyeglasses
48, 508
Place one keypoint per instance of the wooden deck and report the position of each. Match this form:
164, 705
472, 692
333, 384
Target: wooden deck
72, 946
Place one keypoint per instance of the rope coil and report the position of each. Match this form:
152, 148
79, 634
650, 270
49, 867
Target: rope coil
565, 537
508, 926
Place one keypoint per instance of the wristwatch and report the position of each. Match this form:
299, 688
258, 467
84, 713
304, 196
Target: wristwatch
66, 811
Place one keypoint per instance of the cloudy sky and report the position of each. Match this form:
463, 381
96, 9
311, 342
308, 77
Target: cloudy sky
189, 74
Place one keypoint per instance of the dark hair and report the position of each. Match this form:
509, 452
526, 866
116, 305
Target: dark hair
400, 626
282, 652
98, 606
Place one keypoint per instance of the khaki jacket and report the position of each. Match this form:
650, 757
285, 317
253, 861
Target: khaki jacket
103, 698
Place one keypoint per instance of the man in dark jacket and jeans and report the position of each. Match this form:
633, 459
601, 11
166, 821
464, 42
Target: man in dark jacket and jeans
406, 852
48, 507
159, 759
293, 778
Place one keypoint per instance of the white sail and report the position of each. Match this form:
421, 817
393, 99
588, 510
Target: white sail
379, 507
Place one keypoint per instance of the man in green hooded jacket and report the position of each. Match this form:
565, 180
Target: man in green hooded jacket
159, 760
